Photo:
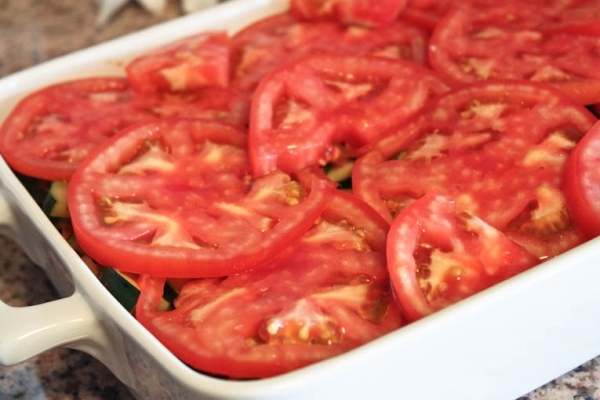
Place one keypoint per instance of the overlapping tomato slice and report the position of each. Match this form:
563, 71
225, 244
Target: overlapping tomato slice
203, 164
52, 130
325, 108
438, 255
582, 183
327, 293
497, 148
516, 41
174, 198
261, 47
349, 12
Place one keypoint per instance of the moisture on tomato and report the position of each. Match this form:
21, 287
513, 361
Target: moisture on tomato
327, 293
174, 198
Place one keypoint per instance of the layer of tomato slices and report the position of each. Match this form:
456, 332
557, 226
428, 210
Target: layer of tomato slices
174, 198
497, 148
200, 164
324, 108
515, 41
438, 255
190, 63
350, 12
261, 47
51, 130
327, 293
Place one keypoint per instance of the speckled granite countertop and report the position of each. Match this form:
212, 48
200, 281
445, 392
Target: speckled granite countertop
33, 31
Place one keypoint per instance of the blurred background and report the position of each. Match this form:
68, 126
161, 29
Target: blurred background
33, 31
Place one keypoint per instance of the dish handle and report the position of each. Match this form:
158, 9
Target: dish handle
28, 331
70, 321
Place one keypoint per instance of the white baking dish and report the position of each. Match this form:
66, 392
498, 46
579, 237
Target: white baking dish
499, 344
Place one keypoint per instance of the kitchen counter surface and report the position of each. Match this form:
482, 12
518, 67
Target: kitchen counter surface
31, 32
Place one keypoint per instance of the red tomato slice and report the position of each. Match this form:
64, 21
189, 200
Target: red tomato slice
361, 12
469, 46
261, 47
187, 64
216, 103
438, 256
173, 198
52, 130
305, 111
324, 295
497, 148
427, 13
578, 17
582, 183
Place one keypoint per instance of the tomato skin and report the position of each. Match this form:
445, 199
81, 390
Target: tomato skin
464, 256
191, 63
173, 198
64, 122
582, 183
322, 296
361, 12
301, 113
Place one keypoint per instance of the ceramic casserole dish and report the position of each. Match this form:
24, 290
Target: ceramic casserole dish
499, 344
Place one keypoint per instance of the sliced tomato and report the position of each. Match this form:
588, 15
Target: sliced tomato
360, 12
321, 108
173, 198
438, 256
498, 148
187, 64
582, 183
427, 13
50, 131
326, 294
508, 42
270, 42
578, 17
216, 103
